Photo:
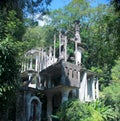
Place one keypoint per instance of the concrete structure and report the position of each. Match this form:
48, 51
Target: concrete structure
48, 81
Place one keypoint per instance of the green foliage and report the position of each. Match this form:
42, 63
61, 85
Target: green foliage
112, 98
25, 7
74, 110
116, 4
105, 113
9, 69
11, 26
10, 48
39, 36
76, 10
98, 32
111, 94
116, 72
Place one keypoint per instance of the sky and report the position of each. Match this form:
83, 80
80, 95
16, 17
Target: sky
55, 4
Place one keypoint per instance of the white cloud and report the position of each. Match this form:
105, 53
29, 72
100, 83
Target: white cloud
42, 20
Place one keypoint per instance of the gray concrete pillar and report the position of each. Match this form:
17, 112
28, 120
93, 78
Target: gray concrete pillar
93, 89
74, 93
82, 88
49, 107
49, 82
65, 94
30, 75
30, 63
86, 90
97, 88
78, 55
36, 63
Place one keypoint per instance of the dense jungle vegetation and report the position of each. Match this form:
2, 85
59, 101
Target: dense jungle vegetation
100, 28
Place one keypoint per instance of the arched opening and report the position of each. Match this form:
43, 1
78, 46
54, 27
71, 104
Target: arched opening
34, 109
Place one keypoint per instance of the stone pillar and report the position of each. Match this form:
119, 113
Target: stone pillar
93, 89
49, 107
97, 88
27, 64
54, 48
50, 61
78, 55
30, 62
30, 75
36, 63
63, 76
39, 61
65, 48
83, 87
42, 60
74, 93
65, 94
60, 44
49, 82
78, 50
86, 90
79, 77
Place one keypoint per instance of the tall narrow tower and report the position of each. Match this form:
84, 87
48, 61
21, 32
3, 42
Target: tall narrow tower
78, 48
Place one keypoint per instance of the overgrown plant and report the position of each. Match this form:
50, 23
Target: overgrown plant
74, 110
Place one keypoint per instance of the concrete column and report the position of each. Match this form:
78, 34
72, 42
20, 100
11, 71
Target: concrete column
63, 76
22, 66
74, 93
45, 60
49, 107
39, 61
59, 44
79, 77
86, 90
54, 48
97, 88
42, 60
77, 35
93, 89
78, 40
78, 54
50, 61
27, 64
30, 75
65, 48
65, 94
31, 63
49, 82
83, 87
36, 63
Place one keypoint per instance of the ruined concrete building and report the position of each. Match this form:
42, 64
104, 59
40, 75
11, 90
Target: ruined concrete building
49, 80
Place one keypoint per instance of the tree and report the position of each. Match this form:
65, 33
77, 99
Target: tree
111, 94
116, 72
116, 4
11, 47
74, 110
39, 37
24, 6
98, 33
9, 62
112, 98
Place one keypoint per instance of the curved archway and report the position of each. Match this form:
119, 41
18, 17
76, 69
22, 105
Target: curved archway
34, 109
